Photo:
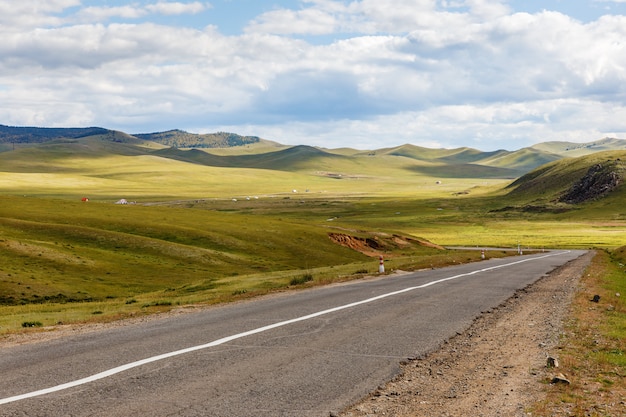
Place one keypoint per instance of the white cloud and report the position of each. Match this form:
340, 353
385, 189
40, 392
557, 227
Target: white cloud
489, 127
17, 15
326, 17
377, 16
97, 14
176, 8
35, 7
136, 11
487, 9
310, 21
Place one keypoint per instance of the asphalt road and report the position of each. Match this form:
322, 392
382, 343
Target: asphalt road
308, 353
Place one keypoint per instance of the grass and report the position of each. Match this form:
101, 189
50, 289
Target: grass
302, 279
58, 247
70, 254
62, 261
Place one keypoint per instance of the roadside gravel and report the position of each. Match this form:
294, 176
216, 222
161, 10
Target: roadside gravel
495, 368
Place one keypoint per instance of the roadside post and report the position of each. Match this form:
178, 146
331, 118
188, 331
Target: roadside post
381, 264
482, 254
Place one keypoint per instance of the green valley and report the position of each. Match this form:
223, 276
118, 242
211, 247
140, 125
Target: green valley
242, 216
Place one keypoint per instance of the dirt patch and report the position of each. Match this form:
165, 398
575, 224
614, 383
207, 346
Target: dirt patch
379, 243
495, 368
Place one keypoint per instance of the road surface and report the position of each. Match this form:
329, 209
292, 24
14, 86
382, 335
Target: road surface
308, 353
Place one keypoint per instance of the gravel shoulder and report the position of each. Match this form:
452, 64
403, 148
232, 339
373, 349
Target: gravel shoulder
497, 367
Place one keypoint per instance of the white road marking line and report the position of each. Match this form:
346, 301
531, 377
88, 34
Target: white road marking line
227, 339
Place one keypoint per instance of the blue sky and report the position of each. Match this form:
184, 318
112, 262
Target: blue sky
488, 74
232, 16
585, 11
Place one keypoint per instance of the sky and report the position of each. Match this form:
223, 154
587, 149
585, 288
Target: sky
365, 74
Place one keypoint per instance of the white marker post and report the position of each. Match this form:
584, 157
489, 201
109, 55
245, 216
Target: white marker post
482, 254
381, 265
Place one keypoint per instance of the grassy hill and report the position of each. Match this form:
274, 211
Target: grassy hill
592, 177
571, 149
113, 165
501, 163
232, 150
288, 159
108, 165
521, 161
451, 156
64, 250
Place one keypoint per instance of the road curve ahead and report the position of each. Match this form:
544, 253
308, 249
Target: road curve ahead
300, 354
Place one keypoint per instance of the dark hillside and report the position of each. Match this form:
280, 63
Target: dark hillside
9, 134
115, 136
286, 159
181, 139
196, 156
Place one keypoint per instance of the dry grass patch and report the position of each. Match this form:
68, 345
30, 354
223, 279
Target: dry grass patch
593, 351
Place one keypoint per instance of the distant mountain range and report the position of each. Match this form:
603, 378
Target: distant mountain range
231, 150
174, 138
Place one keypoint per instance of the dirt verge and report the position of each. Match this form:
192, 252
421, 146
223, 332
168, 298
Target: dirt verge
495, 368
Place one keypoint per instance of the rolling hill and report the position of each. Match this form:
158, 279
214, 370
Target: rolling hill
288, 159
229, 150
572, 181
571, 149
173, 138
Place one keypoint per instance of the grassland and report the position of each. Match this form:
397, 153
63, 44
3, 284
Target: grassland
203, 233
240, 222
62, 261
